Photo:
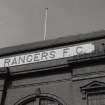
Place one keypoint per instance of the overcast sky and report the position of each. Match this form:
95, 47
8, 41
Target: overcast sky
21, 21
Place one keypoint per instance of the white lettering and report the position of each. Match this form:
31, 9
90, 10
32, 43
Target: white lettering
46, 55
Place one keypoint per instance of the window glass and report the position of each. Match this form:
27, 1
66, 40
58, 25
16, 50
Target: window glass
48, 102
43, 101
96, 99
31, 103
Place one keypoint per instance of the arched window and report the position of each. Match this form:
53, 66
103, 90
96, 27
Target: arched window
42, 99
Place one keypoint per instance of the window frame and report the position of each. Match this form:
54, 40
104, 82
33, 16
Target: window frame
92, 88
32, 97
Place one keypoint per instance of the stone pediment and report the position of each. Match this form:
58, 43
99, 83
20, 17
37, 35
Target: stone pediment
93, 85
92, 88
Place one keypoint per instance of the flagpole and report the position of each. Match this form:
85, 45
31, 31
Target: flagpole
45, 23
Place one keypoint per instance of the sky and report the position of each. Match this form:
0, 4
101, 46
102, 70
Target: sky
22, 21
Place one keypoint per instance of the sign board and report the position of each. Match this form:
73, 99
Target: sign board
46, 55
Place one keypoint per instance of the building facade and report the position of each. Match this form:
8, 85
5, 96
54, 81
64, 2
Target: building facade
63, 71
